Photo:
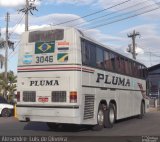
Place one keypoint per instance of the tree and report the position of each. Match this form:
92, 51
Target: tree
1, 60
5, 45
8, 86
12, 80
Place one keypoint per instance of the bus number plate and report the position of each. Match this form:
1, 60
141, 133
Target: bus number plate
44, 59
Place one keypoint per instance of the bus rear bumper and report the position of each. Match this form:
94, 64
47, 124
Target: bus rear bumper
58, 115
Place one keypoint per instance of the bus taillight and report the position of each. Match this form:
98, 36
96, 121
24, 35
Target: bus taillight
73, 97
18, 96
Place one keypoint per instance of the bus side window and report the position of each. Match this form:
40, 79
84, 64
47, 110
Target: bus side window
126, 67
135, 70
144, 72
113, 59
140, 71
85, 53
88, 53
131, 67
122, 65
107, 62
118, 64
99, 58
92, 56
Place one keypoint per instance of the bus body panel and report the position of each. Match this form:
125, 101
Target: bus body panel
92, 85
41, 78
128, 98
58, 115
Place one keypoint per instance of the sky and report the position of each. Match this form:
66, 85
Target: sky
108, 22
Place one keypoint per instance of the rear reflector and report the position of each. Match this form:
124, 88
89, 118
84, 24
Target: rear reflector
73, 97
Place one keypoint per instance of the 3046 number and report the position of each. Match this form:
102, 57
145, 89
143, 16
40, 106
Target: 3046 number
44, 59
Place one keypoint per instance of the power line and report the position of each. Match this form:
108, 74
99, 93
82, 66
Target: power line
16, 25
14, 48
130, 12
122, 19
103, 10
128, 17
112, 13
152, 53
13, 54
19, 21
12, 33
92, 13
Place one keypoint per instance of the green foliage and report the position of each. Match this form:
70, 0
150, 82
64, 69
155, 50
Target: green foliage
1, 60
8, 86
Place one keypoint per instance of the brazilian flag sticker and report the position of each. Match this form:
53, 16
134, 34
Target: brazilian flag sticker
62, 57
44, 47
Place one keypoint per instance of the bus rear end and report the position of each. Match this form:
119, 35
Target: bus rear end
48, 74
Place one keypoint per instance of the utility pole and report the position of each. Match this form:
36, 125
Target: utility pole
28, 8
26, 16
6, 48
5, 44
132, 48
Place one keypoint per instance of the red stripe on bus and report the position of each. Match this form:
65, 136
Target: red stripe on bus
56, 68
49, 68
88, 69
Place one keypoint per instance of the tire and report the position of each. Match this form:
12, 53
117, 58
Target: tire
110, 116
142, 111
100, 119
52, 126
5, 112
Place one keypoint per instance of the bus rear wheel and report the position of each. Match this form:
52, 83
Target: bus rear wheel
100, 119
110, 116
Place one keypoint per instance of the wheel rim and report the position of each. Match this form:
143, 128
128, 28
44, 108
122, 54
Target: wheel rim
5, 113
100, 117
111, 115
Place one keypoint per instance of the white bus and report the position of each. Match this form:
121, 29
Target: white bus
66, 77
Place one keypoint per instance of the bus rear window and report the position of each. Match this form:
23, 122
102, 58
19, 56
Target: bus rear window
46, 36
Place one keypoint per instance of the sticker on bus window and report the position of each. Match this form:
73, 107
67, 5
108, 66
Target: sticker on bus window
27, 59
62, 57
44, 47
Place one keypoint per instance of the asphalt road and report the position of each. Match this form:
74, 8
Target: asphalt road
148, 126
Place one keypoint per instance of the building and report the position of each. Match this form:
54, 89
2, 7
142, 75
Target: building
154, 84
